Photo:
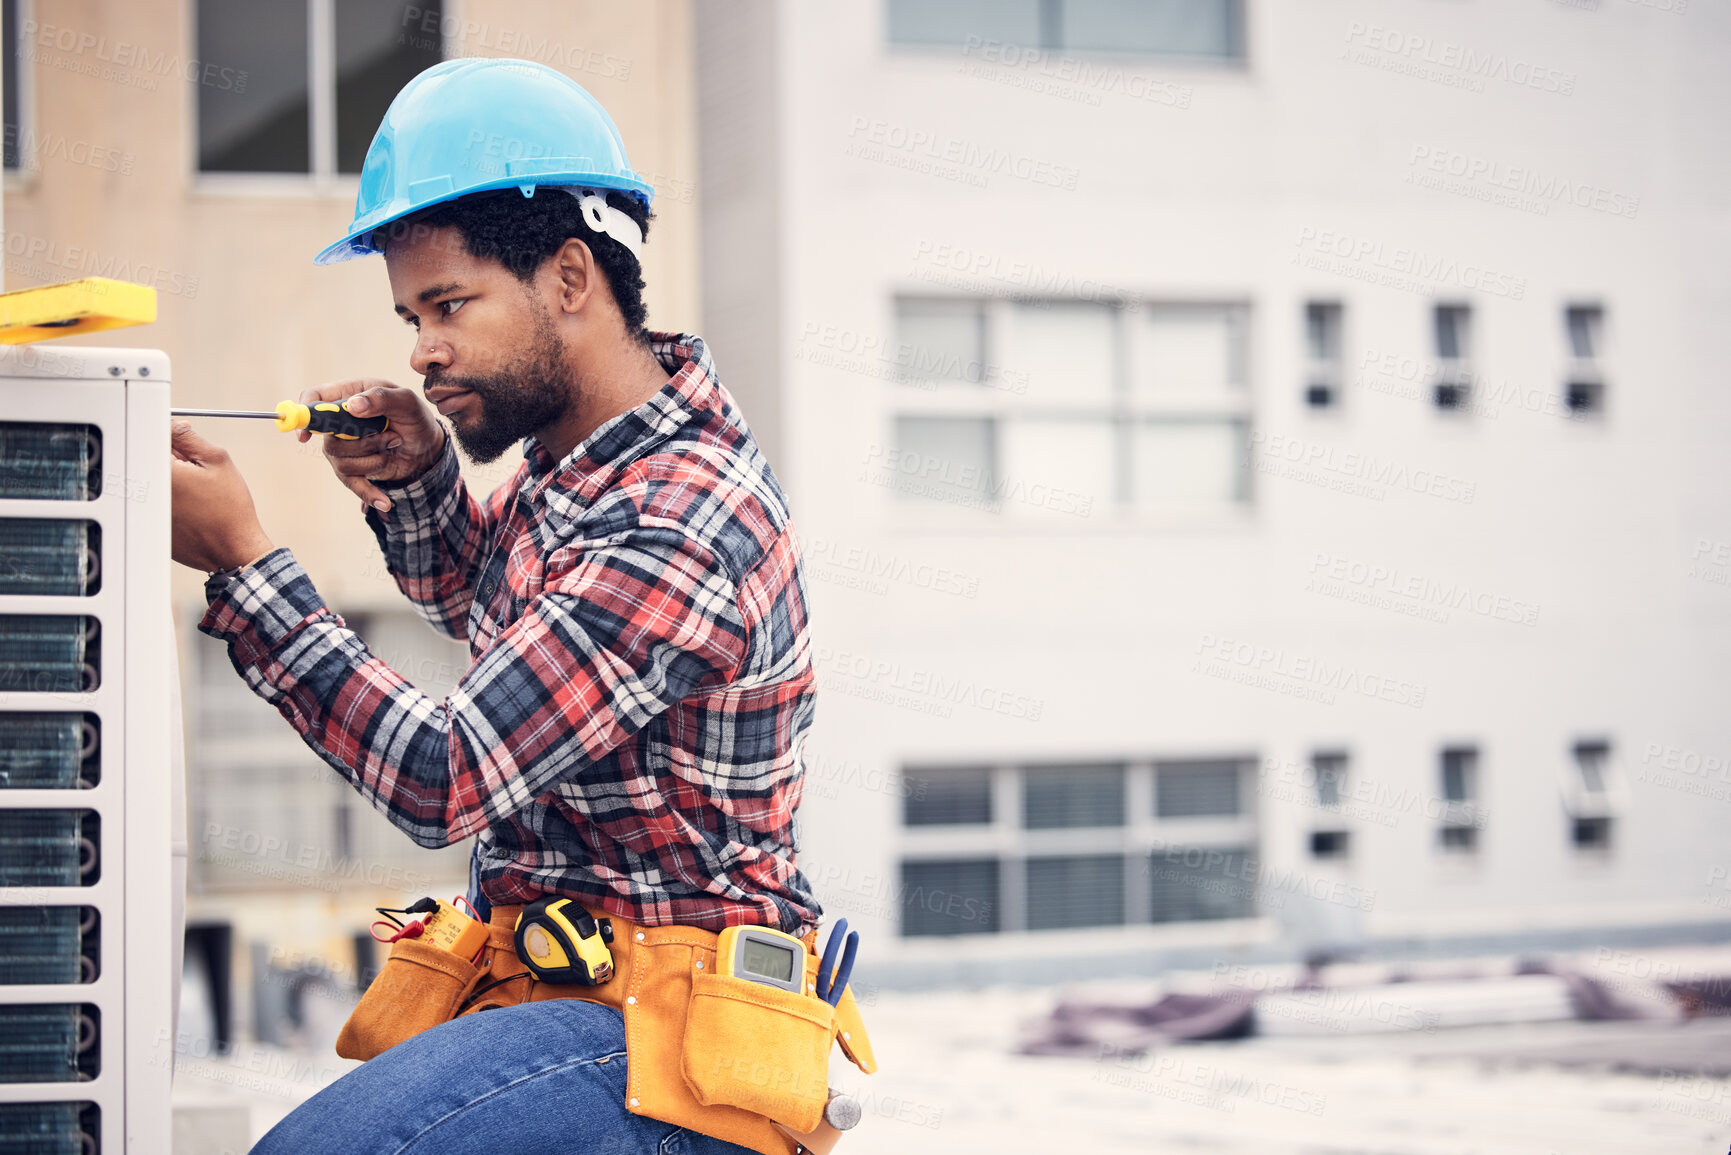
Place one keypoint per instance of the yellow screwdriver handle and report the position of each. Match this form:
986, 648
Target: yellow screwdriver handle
331, 417
291, 415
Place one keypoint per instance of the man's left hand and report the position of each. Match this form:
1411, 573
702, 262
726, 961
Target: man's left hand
215, 525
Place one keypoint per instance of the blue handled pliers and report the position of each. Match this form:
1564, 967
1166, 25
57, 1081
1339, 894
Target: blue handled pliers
829, 988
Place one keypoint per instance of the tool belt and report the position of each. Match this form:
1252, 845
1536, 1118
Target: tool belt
719, 1055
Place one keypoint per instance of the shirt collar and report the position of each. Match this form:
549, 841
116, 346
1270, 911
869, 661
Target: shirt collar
568, 486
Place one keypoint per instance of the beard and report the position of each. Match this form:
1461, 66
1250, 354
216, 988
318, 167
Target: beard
526, 395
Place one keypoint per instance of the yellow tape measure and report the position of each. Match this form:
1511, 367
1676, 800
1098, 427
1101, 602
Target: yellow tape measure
562, 943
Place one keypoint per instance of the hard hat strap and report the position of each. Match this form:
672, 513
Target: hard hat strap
602, 217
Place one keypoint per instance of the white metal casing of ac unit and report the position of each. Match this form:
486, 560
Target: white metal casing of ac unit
139, 795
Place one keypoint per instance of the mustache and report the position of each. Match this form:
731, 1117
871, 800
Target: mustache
438, 375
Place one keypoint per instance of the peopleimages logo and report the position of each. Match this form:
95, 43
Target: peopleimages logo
1390, 585
1070, 77
1497, 176
881, 568
124, 54
1432, 59
927, 686
1300, 675
1400, 266
969, 485
881, 140
977, 270
1272, 449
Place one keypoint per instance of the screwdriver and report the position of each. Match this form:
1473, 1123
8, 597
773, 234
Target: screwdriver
330, 417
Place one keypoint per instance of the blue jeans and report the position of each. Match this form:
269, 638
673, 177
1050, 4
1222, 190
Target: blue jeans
534, 1079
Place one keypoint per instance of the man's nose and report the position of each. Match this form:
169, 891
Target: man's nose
429, 352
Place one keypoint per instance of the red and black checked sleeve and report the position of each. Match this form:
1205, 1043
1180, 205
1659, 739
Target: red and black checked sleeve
642, 621
435, 540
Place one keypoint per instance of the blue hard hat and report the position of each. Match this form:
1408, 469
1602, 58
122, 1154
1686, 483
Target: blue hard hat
465, 126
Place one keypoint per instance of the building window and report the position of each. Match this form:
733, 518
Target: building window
1193, 884
1198, 29
1075, 890
950, 896
1591, 763
1591, 833
1460, 794
1197, 789
1054, 846
960, 796
300, 86
12, 85
1460, 838
1055, 797
1585, 391
1593, 795
942, 339
954, 461
1452, 325
1058, 409
1329, 843
1330, 768
1322, 355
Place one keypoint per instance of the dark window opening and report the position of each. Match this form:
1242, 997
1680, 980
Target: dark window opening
958, 896
1322, 352
1590, 760
261, 124
1585, 396
1329, 843
1584, 324
1196, 883
1591, 833
255, 99
1460, 838
9, 83
1200, 29
1460, 773
1330, 770
1077, 890
1452, 331
948, 797
1197, 789
1055, 797
381, 46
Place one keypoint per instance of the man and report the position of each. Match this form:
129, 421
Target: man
629, 732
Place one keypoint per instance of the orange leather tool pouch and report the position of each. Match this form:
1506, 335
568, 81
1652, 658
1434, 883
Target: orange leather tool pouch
657, 1001
705, 1054
702, 1052
420, 986
754, 1046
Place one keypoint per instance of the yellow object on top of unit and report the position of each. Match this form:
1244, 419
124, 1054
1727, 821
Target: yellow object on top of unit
86, 306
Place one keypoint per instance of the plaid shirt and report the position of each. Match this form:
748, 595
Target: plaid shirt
629, 732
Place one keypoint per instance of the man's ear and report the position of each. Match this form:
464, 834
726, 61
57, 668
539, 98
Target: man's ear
578, 275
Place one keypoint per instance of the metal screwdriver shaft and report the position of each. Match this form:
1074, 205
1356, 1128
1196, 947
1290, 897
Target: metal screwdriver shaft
330, 417
269, 415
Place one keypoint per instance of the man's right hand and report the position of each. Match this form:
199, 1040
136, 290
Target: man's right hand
409, 447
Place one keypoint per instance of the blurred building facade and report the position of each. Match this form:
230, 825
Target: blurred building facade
210, 149
1256, 463
1257, 467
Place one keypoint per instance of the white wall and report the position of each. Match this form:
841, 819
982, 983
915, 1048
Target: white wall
1215, 190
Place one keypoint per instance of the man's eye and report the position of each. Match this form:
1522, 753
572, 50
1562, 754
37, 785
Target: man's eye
450, 307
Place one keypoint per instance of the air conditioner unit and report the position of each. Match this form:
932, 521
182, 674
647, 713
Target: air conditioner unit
92, 818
